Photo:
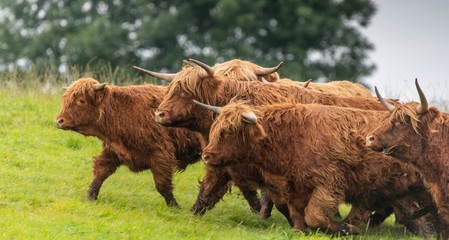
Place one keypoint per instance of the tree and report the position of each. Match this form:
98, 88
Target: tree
314, 39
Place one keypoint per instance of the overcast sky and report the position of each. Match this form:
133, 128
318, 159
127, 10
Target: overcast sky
411, 39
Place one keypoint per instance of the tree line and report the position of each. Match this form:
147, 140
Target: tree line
314, 39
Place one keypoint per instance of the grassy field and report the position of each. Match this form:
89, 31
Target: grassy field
45, 174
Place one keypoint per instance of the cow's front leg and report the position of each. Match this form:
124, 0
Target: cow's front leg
103, 166
216, 182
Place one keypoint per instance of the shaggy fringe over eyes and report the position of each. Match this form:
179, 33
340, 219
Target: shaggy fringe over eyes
189, 80
430, 119
231, 121
81, 87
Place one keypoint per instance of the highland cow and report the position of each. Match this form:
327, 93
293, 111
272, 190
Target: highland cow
123, 119
416, 133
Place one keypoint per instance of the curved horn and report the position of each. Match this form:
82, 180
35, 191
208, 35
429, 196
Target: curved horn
163, 76
214, 109
306, 84
65, 88
249, 117
265, 71
209, 70
424, 105
99, 86
382, 100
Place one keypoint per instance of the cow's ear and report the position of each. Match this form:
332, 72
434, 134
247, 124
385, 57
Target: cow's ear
99, 91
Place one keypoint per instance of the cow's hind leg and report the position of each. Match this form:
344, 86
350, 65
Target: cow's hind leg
322, 205
251, 197
103, 166
163, 177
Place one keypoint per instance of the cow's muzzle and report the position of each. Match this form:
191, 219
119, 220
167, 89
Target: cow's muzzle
161, 117
60, 122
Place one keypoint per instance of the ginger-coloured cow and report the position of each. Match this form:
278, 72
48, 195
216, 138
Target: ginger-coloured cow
416, 133
123, 119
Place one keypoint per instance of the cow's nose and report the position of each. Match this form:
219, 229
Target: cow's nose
159, 116
60, 122
369, 140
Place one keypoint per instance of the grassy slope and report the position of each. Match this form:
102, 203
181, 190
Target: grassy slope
45, 174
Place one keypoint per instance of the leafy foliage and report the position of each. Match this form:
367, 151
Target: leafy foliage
316, 39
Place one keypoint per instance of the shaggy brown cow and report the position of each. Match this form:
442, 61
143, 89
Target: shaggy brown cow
123, 119
418, 134
312, 158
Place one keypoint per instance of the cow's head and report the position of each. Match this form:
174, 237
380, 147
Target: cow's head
81, 106
403, 127
232, 134
195, 81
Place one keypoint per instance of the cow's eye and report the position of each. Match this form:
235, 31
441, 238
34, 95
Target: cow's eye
184, 94
400, 123
81, 101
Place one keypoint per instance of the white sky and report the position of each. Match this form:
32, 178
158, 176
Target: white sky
411, 39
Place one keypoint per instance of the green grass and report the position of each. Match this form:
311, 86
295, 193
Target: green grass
45, 173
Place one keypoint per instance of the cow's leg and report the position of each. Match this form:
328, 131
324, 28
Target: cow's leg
404, 209
103, 166
266, 205
322, 205
215, 183
357, 215
251, 197
268, 201
295, 209
163, 179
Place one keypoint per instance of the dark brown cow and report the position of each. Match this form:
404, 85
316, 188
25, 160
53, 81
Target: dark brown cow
418, 134
311, 157
123, 119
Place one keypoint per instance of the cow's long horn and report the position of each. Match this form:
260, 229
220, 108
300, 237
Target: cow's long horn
99, 86
306, 84
209, 70
163, 76
249, 117
261, 71
388, 106
214, 109
424, 105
